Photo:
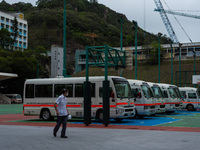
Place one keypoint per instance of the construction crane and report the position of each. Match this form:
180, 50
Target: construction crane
166, 21
179, 14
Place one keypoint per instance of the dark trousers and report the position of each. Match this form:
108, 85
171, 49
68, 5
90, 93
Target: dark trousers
61, 120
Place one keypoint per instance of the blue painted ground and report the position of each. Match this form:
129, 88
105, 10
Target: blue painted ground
146, 121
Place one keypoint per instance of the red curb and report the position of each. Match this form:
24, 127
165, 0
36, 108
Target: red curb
5, 118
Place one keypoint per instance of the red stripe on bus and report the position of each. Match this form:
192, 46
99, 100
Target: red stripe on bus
38, 105
122, 103
144, 104
158, 103
173, 103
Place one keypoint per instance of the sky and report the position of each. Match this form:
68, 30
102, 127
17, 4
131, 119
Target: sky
143, 12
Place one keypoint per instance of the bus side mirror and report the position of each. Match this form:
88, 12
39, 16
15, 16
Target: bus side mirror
139, 94
112, 95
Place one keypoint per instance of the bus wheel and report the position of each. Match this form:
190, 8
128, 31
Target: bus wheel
100, 115
190, 107
45, 115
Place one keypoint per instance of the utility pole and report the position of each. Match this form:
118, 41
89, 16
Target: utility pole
159, 35
64, 40
135, 27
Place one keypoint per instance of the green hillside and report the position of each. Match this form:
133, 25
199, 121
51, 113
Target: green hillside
84, 19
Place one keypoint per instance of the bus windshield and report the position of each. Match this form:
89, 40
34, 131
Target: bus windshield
178, 92
157, 91
198, 94
173, 92
122, 87
146, 91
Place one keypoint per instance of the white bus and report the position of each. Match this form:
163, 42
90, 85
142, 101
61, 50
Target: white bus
190, 96
40, 95
159, 100
171, 96
144, 100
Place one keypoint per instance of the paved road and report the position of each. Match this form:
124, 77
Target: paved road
40, 138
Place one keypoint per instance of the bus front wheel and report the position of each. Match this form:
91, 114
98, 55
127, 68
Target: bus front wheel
46, 115
190, 107
100, 115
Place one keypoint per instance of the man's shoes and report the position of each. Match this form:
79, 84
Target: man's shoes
54, 134
64, 136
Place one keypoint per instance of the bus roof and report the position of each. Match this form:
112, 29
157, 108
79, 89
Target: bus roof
164, 85
187, 89
136, 82
69, 80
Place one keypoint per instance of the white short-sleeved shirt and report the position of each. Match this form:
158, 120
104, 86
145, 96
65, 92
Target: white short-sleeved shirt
62, 108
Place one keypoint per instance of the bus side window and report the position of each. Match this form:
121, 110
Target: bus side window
29, 91
183, 94
101, 92
59, 87
135, 92
43, 90
79, 90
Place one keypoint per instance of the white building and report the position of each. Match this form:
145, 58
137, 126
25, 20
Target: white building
56, 61
7, 22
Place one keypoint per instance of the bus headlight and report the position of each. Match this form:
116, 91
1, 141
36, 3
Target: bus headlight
120, 111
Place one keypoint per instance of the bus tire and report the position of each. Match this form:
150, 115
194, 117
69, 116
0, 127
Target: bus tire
190, 107
46, 115
100, 115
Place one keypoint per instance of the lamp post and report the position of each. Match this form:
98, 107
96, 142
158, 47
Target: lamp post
121, 33
64, 40
135, 27
171, 61
180, 64
194, 64
159, 35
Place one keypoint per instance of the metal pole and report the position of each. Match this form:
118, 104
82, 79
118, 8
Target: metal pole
64, 40
38, 70
87, 93
136, 50
159, 35
87, 66
106, 101
171, 62
194, 64
121, 34
180, 64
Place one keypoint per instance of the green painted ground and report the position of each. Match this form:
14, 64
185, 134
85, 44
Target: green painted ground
11, 109
188, 119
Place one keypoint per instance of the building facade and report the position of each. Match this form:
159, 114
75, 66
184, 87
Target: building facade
56, 55
186, 51
6, 21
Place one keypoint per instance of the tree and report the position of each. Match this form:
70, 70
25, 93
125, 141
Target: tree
93, 1
15, 31
5, 38
153, 59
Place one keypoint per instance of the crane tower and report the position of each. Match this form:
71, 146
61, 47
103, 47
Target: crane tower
166, 21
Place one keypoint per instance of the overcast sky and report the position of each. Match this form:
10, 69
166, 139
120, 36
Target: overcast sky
143, 12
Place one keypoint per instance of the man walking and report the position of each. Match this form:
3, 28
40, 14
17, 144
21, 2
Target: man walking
62, 113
